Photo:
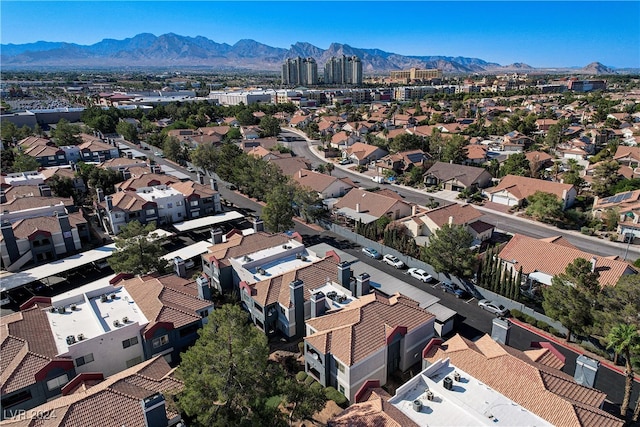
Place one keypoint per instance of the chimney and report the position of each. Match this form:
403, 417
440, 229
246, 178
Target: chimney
414, 210
200, 178
317, 304
296, 297
10, 241
586, 371
45, 190
344, 274
67, 235
450, 220
180, 267
362, 285
358, 207
594, 260
204, 290
216, 236
155, 413
129, 155
109, 201
500, 330
100, 194
450, 162
3, 197
300, 174
214, 184
258, 224
126, 174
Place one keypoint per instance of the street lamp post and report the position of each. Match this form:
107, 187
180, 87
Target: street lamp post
626, 251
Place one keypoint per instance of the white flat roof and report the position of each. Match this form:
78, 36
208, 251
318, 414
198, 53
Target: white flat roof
153, 193
278, 266
21, 278
174, 172
189, 251
468, 403
92, 316
341, 293
206, 221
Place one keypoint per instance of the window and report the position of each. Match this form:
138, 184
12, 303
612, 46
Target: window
134, 361
84, 359
194, 203
160, 341
23, 396
57, 382
189, 330
52, 157
169, 205
204, 313
179, 203
341, 389
340, 367
258, 307
151, 212
129, 342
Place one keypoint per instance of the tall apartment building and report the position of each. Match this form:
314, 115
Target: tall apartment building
415, 74
300, 71
343, 70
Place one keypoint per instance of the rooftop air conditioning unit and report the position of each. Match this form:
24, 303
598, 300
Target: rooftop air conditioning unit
456, 376
71, 340
80, 337
62, 309
417, 405
116, 323
52, 309
429, 395
112, 296
103, 297
125, 319
74, 307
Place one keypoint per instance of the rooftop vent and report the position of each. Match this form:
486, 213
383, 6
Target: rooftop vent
74, 307
53, 309
456, 376
103, 297
80, 337
448, 383
429, 395
261, 271
112, 296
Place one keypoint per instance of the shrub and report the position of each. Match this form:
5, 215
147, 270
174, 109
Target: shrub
332, 394
556, 332
529, 319
309, 380
316, 386
301, 376
301, 346
586, 230
517, 314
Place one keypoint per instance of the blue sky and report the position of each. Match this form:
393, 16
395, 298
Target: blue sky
541, 34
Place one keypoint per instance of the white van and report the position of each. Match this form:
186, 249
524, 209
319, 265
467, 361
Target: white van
379, 179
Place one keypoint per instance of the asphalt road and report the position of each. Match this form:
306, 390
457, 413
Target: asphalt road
503, 222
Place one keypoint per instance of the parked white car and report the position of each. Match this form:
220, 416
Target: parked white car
420, 274
492, 307
393, 261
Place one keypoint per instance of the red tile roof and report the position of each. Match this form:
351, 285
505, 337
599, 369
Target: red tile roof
552, 258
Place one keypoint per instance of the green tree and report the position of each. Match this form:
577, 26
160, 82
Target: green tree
605, 176
270, 126
624, 339
304, 401
516, 164
545, 207
278, 212
129, 131
24, 163
225, 372
571, 297
172, 149
329, 168
449, 250
61, 186
308, 203
66, 134
246, 118
138, 250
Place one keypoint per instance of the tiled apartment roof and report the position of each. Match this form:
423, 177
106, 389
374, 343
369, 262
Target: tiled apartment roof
33, 202
114, 402
554, 396
189, 188
552, 258
24, 228
238, 245
277, 289
145, 180
161, 303
126, 201
361, 328
374, 411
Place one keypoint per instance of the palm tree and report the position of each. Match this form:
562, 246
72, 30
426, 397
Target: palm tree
623, 338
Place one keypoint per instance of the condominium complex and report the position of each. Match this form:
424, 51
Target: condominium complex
300, 71
415, 74
343, 70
